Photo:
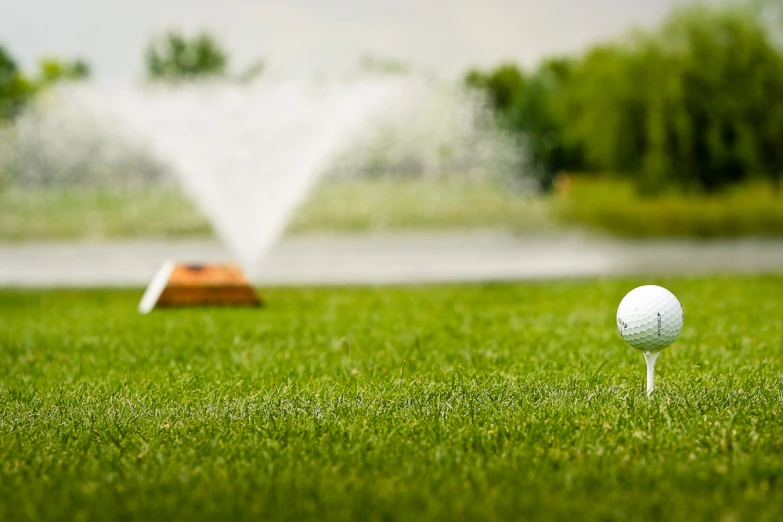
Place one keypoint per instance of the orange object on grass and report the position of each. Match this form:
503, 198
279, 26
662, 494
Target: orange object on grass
183, 284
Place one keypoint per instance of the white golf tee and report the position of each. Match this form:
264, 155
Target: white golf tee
650, 358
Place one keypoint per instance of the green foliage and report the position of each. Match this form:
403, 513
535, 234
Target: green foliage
505, 86
95, 213
609, 205
694, 104
615, 206
378, 204
540, 117
176, 57
15, 89
53, 70
530, 105
605, 109
471, 402
423, 204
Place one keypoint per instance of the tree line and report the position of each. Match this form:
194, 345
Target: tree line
16, 88
692, 105
170, 57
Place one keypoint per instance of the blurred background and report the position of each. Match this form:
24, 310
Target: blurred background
588, 137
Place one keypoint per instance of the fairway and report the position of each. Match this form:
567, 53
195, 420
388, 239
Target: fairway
473, 402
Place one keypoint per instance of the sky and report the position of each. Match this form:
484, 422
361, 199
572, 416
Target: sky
302, 36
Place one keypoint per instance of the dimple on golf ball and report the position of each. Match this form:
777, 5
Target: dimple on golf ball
649, 318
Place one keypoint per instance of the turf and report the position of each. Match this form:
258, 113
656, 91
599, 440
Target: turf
484, 402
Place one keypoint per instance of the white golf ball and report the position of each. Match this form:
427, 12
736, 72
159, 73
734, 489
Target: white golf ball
649, 318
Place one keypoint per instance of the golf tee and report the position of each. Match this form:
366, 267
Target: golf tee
650, 359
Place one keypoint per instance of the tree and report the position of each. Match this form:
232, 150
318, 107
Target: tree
540, 116
53, 70
504, 85
176, 57
694, 105
603, 107
15, 90
728, 79
530, 106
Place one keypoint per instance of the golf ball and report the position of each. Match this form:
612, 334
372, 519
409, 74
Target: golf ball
649, 318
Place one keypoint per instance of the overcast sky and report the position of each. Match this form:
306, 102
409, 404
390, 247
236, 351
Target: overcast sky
298, 36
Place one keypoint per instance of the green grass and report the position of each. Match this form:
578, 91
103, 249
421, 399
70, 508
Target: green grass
613, 206
389, 204
347, 206
485, 402
601, 204
81, 213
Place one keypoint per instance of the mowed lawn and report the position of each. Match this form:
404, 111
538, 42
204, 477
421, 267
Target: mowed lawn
483, 402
